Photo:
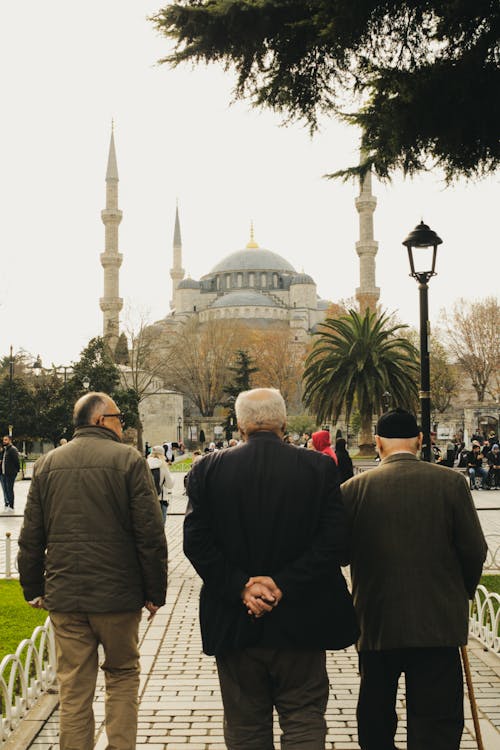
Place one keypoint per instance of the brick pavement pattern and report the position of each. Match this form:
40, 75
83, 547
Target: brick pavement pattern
180, 706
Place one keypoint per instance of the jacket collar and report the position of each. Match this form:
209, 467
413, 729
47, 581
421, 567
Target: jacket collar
399, 457
95, 430
263, 435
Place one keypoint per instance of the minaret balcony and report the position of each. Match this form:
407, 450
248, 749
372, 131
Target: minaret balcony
111, 304
111, 215
111, 260
365, 203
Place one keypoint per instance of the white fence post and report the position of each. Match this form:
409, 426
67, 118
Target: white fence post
8, 552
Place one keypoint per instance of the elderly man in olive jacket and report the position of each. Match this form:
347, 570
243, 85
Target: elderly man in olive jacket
92, 551
416, 558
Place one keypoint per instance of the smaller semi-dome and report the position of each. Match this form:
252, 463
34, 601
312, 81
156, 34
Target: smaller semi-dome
189, 284
324, 304
244, 299
301, 278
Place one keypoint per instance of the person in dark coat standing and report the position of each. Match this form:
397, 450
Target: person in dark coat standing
345, 462
9, 469
265, 528
416, 559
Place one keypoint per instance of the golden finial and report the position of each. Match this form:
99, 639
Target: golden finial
252, 243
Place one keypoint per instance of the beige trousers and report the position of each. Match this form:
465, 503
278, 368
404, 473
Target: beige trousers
77, 637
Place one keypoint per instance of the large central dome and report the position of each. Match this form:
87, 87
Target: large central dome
253, 259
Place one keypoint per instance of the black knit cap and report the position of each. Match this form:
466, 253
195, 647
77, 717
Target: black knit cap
397, 424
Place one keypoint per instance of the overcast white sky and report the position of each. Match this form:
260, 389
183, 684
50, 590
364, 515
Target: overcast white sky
68, 68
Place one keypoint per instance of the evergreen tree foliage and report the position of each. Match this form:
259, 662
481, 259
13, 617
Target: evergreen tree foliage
420, 77
121, 350
242, 372
97, 365
354, 360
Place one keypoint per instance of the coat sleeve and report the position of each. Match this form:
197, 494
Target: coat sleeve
32, 544
329, 547
468, 537
149, 532
200, 546
168, 479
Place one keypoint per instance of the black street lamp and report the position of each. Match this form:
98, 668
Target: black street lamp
11, 377
419, 243
179, 429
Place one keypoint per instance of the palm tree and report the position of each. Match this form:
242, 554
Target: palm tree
356, 359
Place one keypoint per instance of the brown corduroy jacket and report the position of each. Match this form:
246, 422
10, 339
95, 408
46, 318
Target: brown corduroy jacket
93, 538
417, 552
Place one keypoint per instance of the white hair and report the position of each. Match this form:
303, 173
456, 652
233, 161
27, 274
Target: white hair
260, 408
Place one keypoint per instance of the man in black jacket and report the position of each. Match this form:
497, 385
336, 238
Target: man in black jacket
9, 468
265, 529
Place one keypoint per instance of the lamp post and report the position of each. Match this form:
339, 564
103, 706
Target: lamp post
11, 377
179, 429
419, 243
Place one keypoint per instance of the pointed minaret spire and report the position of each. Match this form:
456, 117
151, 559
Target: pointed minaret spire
367, 293
111, 303
177, 271
112, 170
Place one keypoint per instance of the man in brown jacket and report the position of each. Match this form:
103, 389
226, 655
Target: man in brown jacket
416, 558
92, 551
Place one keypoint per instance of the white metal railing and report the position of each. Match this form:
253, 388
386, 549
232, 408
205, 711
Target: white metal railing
484, 618
25, 676
493, 554
8, 556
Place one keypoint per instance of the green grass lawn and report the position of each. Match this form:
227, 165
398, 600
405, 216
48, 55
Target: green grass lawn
492, 583
17, 618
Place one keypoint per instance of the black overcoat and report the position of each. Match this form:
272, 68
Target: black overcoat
269, 508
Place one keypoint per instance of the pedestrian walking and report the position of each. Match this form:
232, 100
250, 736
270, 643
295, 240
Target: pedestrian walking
322, 443
92, 551
346, 469
416, 559
163, 479
10, 465
265, 528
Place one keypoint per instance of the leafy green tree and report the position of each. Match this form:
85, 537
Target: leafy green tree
16, 408
53, 402
354, 360
96, 365
241, 381
419, 78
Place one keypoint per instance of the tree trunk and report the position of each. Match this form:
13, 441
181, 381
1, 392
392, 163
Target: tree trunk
140, 446
366, 439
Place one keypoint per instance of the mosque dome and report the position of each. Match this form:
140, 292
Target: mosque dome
301, 278
189, 284
245, 298
253, 258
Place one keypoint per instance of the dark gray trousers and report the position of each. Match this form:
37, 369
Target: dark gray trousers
253, 681
434, 698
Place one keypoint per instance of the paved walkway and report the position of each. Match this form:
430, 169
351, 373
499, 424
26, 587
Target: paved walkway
180, 702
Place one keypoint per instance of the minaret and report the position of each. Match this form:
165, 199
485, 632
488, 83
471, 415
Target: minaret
367, 293
177, 271
111, 259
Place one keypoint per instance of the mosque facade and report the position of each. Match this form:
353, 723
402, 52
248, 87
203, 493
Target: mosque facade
252, 284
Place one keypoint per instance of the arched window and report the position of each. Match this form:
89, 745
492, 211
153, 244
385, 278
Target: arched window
239, 280
251, 279
263, 280
275, 280
228, 281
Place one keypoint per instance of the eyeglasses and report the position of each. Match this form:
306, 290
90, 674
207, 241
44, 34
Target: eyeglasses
117, 415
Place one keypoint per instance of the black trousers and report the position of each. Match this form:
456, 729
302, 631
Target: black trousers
434, 698
255, 680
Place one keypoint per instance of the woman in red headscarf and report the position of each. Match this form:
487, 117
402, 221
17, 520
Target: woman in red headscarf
321, 443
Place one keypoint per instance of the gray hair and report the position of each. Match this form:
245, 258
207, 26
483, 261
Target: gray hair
89, 406
261, 408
